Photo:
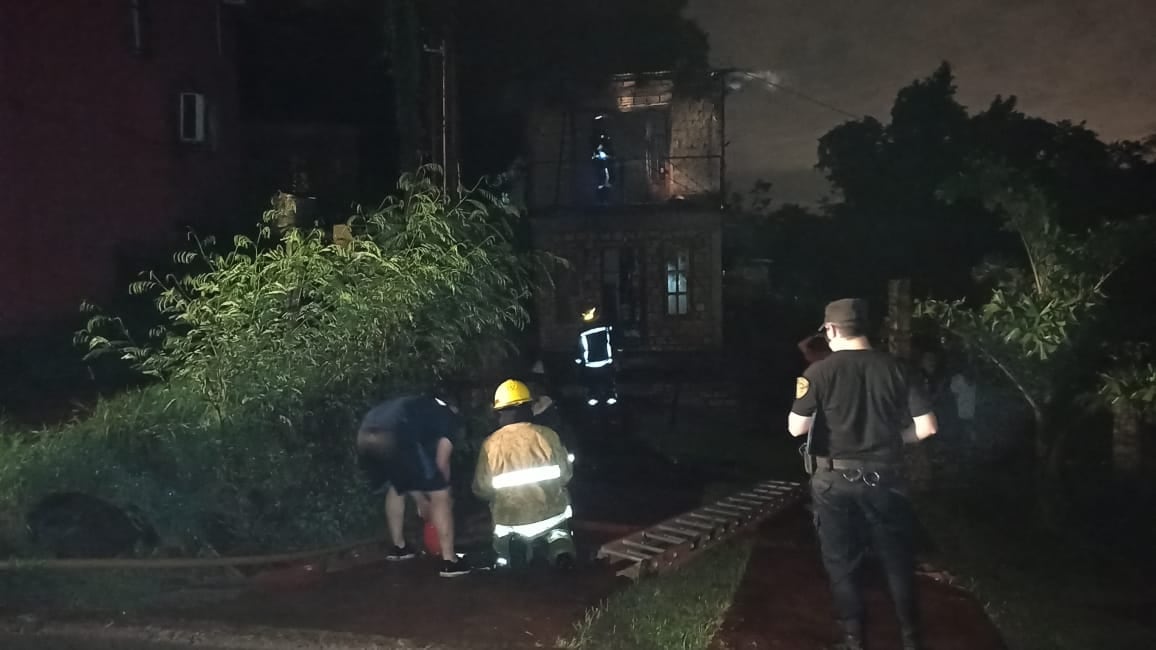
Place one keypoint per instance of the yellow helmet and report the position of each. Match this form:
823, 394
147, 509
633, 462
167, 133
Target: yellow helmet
590, 314
511, 393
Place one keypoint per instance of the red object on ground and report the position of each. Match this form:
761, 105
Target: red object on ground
433, 545
783, 601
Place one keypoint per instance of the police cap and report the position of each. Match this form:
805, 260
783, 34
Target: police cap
847, 311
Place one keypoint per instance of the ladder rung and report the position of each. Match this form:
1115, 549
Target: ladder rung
726, 513
681, 531
747, 500
733, 506
742, 507
645, 547
694, 524
669, 539
634, 557
697, 515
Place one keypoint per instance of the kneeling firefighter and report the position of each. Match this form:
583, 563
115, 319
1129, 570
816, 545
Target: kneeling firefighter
522, 471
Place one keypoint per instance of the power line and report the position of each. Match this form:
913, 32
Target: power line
797, 93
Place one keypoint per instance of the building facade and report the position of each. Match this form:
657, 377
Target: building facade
626, 185
118, 129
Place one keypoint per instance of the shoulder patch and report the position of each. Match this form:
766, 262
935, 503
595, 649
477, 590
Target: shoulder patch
801, 387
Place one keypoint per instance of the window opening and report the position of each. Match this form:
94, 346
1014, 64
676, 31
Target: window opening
677, 294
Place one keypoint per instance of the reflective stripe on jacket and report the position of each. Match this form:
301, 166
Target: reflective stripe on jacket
522, 471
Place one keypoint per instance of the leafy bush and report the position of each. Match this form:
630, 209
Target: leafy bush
269, 354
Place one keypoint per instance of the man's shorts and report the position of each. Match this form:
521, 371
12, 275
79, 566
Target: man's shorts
413, 470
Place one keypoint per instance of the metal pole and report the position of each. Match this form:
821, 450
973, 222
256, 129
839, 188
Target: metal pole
722, 164
445, 130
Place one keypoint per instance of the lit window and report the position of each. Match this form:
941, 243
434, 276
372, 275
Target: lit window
192, 119
677, 295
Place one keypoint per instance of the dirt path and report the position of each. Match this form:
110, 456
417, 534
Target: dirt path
783, 601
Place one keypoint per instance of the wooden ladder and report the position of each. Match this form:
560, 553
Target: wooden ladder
669, 544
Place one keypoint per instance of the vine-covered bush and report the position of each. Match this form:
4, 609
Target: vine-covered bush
269, 354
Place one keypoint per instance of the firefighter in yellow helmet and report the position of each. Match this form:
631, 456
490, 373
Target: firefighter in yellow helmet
522, 471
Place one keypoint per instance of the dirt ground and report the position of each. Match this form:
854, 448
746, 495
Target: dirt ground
408, 600
783, 601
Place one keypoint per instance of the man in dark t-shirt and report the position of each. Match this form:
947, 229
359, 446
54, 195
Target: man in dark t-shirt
404, 447
860, 405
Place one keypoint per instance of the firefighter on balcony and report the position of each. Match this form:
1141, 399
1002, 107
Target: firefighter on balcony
602, 156
596, 359
522, 471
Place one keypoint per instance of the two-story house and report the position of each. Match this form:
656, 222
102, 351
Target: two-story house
625, 183
118, 127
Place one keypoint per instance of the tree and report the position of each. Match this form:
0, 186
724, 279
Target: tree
889, 177
1034, 328
424, 287
1127, 387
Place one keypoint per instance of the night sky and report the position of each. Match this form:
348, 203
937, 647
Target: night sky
1092, 60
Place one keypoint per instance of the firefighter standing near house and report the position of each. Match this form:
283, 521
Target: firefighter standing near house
522, 471
596, 359
863, 406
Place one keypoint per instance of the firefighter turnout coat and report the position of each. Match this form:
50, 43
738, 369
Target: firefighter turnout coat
522, 471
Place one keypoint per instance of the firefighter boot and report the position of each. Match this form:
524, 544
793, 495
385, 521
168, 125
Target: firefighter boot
560, 548
511, 551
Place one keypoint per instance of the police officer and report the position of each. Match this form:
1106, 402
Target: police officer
862, 406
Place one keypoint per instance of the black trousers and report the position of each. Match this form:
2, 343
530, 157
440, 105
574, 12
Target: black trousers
599, 382
851, 513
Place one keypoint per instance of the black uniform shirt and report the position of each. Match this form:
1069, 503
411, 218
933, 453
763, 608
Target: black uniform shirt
861, 400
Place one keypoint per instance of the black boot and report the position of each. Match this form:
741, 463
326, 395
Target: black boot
852, 637
849, 642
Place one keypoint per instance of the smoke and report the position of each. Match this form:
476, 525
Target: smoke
766, 79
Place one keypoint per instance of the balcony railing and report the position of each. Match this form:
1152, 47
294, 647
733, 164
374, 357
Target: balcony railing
636, 181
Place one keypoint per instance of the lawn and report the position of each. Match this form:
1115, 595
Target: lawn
1044, 591
681, 610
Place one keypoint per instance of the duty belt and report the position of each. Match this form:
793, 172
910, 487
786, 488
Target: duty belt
841, 465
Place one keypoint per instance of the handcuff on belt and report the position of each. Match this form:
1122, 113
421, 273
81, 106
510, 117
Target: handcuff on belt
870, 478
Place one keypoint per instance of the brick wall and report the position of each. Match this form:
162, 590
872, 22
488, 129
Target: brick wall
94, 169
695, 140
654, 234
667, 144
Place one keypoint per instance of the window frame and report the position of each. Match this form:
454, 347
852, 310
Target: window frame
200, 117
677, 290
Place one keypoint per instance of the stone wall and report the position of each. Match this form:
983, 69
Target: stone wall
582, 240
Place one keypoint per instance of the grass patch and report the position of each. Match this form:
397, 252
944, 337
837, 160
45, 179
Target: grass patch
1045, 592
676, 611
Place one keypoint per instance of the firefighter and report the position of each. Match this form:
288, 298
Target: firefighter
522, 471
596, 359
404, 447
602, 157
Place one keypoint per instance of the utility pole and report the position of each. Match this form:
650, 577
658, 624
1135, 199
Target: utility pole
402, 28
443, 104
